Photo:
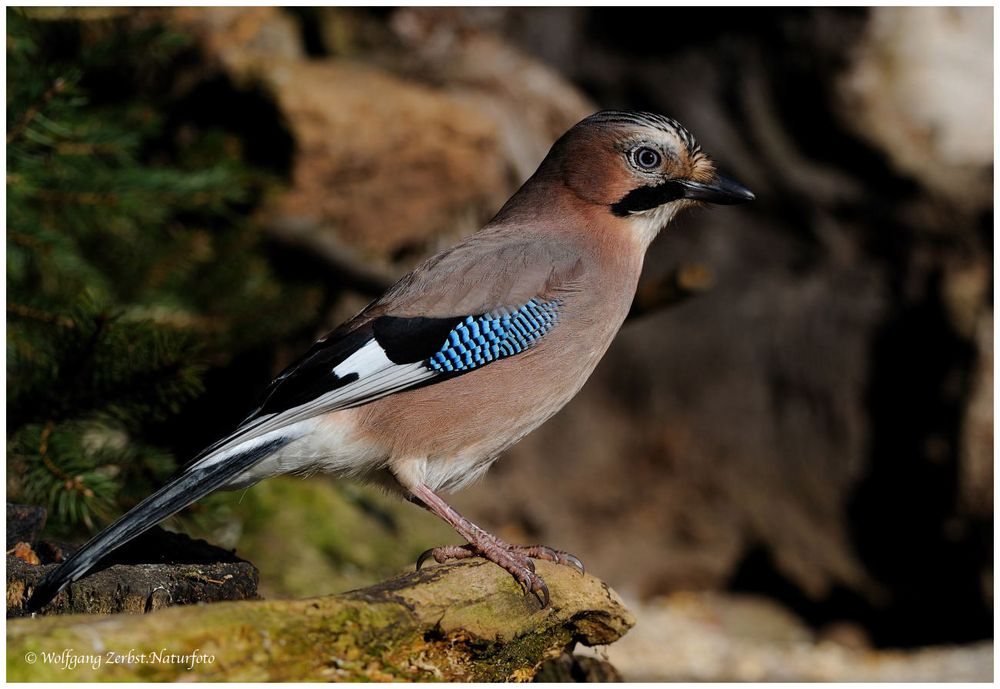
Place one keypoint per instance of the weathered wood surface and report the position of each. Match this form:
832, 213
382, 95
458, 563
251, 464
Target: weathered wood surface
464, 621
135, 588
157, 570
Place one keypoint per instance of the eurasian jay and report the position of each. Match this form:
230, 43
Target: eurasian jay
479, 345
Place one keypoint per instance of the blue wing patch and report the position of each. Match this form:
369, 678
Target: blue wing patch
478, 340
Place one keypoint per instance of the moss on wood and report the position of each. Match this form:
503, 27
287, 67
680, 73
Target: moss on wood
464, 621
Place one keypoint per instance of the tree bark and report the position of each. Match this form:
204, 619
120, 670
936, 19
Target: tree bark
467, 622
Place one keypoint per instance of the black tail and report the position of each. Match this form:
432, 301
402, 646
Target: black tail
194, 484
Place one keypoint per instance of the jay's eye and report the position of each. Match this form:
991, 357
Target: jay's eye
646, 158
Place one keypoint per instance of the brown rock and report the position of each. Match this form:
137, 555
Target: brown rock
387, 167
396, 160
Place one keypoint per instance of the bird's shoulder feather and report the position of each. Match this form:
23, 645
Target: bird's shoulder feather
498, 267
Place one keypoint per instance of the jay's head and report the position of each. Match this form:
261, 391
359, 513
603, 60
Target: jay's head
638, 167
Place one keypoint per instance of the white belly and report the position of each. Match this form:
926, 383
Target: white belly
328, 444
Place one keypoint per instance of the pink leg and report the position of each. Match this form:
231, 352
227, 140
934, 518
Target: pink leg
514, 559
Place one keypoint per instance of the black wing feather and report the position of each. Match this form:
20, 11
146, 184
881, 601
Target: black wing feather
404, 340
409, 340
312, 374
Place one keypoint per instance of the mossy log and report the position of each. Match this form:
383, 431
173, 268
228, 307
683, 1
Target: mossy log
462, 621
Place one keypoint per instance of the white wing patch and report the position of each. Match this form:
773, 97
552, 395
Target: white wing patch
370, 359
377, 377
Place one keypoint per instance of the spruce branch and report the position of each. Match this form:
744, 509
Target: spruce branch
58, 86
25, 311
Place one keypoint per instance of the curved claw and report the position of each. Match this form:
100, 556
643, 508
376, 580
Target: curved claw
531, 583
544, 552
561, 557
574, 562
423, 557
541, 591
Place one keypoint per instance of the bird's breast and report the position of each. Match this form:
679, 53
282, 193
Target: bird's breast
464, 422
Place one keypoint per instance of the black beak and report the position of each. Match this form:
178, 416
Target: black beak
721, 190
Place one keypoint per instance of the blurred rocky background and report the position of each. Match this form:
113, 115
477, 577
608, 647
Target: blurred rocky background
785, 459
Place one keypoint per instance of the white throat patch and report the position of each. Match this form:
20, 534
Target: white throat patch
647, 224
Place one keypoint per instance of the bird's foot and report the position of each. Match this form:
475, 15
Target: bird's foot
515, 559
